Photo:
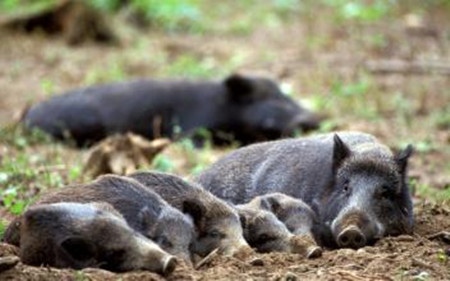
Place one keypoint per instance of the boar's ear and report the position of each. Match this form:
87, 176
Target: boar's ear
402, 158
240, 88
340, 152
79, 248
270, 204
195, 209
147, 216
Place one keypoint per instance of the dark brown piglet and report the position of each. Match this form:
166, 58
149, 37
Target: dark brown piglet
144, 210
298, 217
216, 222
80, 235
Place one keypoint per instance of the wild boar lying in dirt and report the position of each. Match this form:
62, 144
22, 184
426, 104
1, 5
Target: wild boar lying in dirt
80, 235
144, 211
357, 186
240, 108
216, 222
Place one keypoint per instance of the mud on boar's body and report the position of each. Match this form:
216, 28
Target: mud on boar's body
79, 235
240, 108
217, 223
144, 210
296, 216
356, 185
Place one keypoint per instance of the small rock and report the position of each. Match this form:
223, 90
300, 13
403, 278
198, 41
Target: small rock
289, 276
8, 262
346, 252
361, 251
257, 262
302, 268
98, 271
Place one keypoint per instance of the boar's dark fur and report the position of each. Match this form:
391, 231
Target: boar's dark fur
217, 223
239, 108
144, 210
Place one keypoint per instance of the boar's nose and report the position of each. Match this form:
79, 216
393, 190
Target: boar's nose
169, 265
306, 121
305, 245
242, 252
313, 252
351, 237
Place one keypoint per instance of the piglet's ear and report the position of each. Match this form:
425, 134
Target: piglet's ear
79, 248
240, 88
402, 158
340, 152
270, 204
147, 216
195, 209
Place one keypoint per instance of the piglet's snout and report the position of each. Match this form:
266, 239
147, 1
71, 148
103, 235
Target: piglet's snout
169, 265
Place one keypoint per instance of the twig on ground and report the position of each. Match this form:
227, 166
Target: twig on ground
207, 259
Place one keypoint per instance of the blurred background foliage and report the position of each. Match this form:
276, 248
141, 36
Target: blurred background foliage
320, 65
208, 15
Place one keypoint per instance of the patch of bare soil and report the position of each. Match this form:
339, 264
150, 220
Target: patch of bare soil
424, 255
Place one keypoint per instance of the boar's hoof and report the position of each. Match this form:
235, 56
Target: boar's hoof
313, 252
169, 266
351, 237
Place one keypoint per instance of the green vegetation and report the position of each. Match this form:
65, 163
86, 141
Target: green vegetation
25, 169
25, 172
429, 192
3, 225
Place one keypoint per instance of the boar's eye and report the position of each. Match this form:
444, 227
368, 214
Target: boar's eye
163, 242
264, 238
346, 186
215, 234
387, 192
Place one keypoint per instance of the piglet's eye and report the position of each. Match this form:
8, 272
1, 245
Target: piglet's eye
215, 234
345, 186
265, 238
163, 241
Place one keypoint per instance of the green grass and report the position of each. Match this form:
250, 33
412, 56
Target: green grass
25, 172
3, 225
432, 194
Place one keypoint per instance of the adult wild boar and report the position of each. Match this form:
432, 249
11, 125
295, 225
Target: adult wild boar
144, 211
239, 108
87, 235
356, 185
217, 223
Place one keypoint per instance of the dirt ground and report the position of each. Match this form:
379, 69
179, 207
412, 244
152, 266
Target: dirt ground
326, 65
422, 256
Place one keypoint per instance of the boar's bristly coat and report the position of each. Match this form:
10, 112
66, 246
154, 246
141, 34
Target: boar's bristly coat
239, 108
356, 185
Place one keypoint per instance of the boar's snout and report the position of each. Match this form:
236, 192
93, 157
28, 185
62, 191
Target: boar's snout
351, 237
240, 252
306, 121
306, 246
156, 260
169, 265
